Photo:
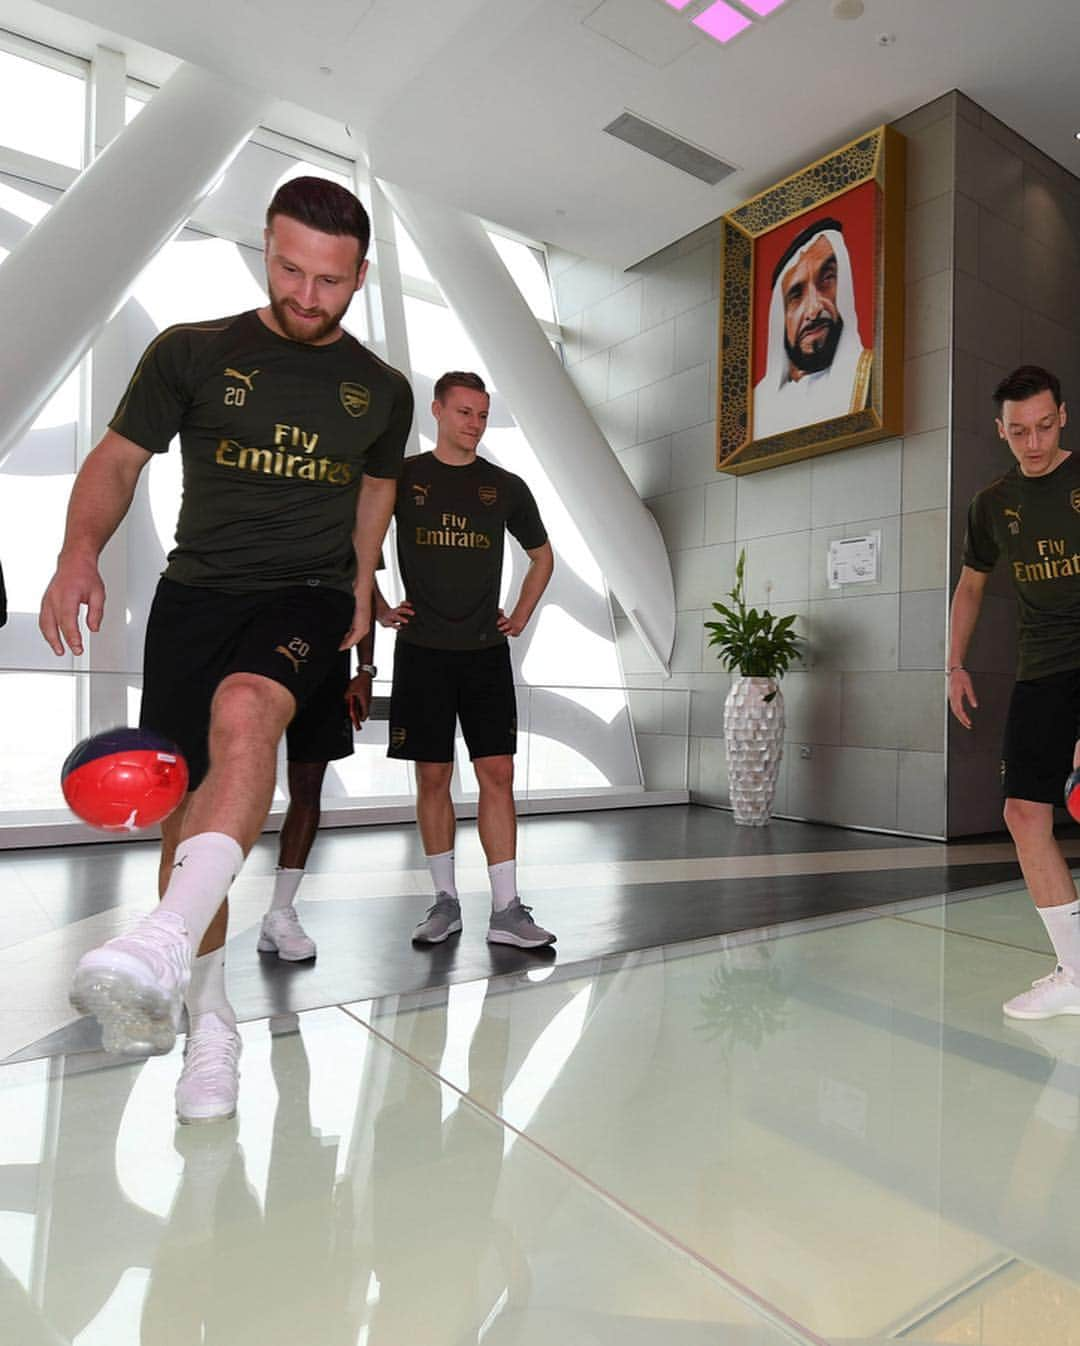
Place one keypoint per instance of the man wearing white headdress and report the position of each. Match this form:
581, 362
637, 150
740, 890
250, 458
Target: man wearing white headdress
816, 366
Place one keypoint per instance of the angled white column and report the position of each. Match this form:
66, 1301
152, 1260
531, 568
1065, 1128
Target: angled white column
621, 533
73, 270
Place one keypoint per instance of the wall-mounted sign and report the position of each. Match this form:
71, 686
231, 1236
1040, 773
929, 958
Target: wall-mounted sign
855, 560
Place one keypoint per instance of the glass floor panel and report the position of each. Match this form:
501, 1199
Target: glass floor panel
842, 1120
355, 1200
824, 1136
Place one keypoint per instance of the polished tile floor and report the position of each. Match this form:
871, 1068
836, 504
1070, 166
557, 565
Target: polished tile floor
818, 1131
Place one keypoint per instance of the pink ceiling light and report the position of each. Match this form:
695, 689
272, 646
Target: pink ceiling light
721, 21
761, 7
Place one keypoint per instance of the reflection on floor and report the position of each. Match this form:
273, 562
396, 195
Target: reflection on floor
823, 1134
605, 882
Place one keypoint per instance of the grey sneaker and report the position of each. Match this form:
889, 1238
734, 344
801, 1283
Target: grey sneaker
443, 919
515, 925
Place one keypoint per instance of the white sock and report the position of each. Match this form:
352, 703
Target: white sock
204, 868
286, 882
1063, 927
442, 872
503, 878
206, 990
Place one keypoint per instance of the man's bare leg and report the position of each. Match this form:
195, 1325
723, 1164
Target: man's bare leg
438, 826
134, 984
1031, 825
510, 922
496, 815
281, 931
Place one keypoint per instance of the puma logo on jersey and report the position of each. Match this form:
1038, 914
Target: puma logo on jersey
244, 378
420, 493
1013, 516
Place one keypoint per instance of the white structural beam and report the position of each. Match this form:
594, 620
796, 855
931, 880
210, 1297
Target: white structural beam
74, 269
621, 533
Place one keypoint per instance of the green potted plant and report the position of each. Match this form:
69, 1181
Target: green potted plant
762, 647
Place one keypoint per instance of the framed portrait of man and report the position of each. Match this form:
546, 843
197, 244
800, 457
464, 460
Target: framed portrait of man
811, 310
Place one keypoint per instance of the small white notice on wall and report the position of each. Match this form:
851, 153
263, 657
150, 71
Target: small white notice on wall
855, 560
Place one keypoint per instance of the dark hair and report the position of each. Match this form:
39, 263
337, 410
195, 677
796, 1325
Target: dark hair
457, 378
800, 241
322, 205
1025, 382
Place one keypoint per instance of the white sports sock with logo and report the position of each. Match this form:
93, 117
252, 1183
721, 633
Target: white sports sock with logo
442, 872
1063, 927
286, 882
503, 878
206, 990
202, 874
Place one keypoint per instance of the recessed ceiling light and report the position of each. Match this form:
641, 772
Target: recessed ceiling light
1076, 135
721, 22
762, 8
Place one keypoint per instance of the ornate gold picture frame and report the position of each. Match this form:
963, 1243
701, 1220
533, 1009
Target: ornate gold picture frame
812, 310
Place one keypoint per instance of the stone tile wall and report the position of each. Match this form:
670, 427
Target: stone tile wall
866, 740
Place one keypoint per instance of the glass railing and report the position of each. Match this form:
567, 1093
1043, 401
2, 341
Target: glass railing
575, 743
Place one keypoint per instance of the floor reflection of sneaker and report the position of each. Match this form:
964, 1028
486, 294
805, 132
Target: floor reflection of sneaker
210, 1080
134, 985
443, 919
515, 925
1049, 996
282, 933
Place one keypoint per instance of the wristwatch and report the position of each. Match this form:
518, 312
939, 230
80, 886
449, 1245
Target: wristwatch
369, 669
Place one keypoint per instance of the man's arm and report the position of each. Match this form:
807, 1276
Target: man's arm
541, 564
963, 615
100, 498
374, 506
358, 692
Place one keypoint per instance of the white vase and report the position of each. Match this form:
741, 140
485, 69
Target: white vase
754, 738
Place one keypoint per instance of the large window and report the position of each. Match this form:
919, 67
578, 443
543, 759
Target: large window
576, 732
42, 106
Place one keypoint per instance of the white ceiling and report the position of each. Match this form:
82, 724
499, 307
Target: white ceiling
497, 105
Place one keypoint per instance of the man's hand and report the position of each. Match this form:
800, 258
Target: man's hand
361, 622
397, 617
510, 626
358, 699
961, 690
76, 584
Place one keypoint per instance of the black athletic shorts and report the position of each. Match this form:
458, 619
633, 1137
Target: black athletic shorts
195, 637
434, 688
1041, 730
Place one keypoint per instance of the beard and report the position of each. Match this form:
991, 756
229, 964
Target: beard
307, 332
821, 357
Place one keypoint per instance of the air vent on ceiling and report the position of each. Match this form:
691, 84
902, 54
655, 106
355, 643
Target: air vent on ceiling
669, 148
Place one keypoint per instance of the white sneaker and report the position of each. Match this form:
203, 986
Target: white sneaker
134, 985
282, 933
210, 1080
1049, 996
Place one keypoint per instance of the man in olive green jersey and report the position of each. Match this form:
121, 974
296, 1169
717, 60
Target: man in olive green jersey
292, 436
1030, 518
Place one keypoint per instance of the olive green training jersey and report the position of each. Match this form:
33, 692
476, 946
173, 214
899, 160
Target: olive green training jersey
451, 525
1034, 523
275, 436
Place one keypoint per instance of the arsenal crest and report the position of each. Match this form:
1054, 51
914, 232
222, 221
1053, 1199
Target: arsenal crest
397, 738
488, 495
355, 398
1074, 500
